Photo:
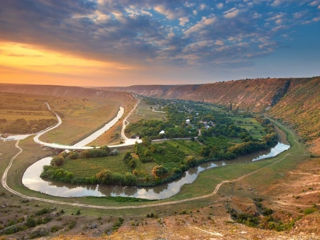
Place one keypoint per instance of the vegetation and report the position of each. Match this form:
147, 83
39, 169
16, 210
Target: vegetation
21, 113
262, 218
206, 133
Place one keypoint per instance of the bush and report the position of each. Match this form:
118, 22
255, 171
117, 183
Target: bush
57, 161
159, 171
104, 176
309, 211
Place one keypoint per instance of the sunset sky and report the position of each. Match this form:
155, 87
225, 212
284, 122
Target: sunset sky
126, 42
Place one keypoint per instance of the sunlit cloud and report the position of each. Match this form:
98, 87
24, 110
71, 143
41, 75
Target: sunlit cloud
29, 57
132, 39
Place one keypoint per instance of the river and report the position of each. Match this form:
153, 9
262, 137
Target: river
32, 180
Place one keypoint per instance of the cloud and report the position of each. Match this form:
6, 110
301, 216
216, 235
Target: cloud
276, 3
219, 5
163, 32
202, 6
166, 12
183, 21
231, 13
200, 25
219, 43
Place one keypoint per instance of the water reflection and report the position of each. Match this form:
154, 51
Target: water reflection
276, 150
32, 180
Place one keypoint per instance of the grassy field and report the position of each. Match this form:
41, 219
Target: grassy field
171, 155
144, 111
22, 113
90, 166
80, 117
113, 135
251, 125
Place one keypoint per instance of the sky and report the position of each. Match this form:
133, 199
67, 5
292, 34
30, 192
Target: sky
128, 42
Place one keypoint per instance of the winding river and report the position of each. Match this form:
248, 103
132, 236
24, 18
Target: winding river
32, 180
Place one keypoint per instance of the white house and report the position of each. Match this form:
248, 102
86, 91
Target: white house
188, 121
162, 132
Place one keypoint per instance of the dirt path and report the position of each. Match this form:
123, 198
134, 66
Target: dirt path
125, 122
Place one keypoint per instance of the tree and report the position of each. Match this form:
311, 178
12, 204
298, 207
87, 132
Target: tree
146, 141
106, 149
159, 171
57, 161
104, 176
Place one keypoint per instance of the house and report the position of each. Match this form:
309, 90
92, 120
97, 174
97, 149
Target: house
162, 132
188, 121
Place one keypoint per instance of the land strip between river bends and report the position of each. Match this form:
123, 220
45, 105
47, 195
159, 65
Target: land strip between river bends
81, 145
213, 193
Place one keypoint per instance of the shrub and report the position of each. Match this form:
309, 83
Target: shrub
309, 211
57, 161
159, 171
104, 176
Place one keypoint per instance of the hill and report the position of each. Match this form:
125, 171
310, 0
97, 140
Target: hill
294, 100
253, 95
300, 107
62, 91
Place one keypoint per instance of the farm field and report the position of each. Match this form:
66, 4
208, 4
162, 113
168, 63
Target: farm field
147, 110
22, 113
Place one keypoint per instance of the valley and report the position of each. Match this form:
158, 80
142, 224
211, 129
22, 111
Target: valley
182, 130
160, 120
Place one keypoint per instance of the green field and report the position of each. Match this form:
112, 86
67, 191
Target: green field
90, 166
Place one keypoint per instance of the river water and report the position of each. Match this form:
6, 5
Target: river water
32, 180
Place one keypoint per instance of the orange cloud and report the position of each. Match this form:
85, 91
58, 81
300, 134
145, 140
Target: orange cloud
22, 63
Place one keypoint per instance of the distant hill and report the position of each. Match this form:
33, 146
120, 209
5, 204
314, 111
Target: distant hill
253, 95
64, 91
294, 100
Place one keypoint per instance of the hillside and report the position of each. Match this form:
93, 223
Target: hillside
63, 91
301, 108
253, 95
295, 101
